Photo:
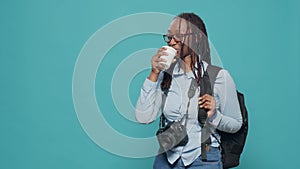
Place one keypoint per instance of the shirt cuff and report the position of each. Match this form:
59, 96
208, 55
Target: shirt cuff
148, 85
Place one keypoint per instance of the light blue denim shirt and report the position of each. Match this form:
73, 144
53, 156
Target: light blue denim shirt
227, 116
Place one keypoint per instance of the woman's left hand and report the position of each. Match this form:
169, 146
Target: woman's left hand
208, 102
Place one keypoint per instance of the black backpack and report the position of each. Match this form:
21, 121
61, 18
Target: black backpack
232, 144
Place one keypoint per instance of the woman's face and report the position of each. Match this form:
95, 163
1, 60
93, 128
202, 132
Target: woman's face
179, 36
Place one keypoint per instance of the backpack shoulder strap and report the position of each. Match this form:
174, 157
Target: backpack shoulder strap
212, 73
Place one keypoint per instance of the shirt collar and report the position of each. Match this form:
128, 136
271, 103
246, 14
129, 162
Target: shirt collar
190, 74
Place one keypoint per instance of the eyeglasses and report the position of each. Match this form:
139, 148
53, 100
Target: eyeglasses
176, 37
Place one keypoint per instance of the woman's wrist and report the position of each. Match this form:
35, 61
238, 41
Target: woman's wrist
153, 76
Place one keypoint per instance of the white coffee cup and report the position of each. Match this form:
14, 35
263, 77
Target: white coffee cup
169, 58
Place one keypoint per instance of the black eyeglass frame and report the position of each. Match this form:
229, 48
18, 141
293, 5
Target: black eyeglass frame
177, 37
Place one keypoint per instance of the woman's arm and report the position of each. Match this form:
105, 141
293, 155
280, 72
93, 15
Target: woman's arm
149, 102
228, 116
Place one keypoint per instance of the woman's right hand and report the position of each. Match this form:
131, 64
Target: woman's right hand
155, 61
156, 65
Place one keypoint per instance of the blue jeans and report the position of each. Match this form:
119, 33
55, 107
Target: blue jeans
213, 161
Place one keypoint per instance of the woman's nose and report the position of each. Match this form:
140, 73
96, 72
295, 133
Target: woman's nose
172, 42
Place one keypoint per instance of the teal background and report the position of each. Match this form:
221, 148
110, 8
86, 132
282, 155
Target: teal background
258, 42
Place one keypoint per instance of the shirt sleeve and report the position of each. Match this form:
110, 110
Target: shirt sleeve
149, 102
228, 115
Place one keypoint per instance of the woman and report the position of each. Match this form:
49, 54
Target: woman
187, 34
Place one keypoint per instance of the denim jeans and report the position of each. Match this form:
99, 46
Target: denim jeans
213, 161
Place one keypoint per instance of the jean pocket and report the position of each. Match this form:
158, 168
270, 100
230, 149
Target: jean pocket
213, 156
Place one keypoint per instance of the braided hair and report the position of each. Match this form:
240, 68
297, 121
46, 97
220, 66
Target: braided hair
199, 46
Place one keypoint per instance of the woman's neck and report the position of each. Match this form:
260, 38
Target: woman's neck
186, 65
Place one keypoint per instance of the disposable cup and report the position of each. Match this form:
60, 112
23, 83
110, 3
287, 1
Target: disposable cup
169, 58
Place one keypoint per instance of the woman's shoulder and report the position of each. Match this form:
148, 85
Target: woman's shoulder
217, 71
224, 78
